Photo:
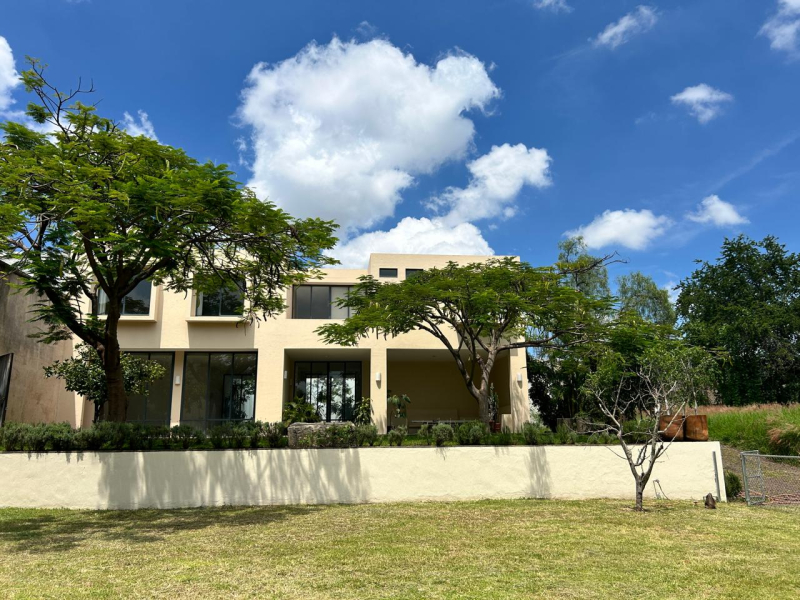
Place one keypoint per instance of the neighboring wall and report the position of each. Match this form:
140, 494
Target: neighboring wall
101, 480
32, 398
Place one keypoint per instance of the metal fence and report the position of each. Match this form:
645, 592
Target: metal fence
771, 479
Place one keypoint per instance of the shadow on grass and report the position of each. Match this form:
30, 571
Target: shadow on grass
58, 532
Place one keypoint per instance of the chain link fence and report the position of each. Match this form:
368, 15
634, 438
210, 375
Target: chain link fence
770, 479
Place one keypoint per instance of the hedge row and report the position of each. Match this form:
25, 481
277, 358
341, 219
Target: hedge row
60, 437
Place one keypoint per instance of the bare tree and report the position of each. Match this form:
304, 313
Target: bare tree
643, 403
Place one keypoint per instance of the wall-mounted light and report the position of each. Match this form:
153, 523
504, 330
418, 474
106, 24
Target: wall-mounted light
519, 377
378, 377
177, 379
286, 374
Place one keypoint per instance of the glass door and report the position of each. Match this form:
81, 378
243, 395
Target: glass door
333, 388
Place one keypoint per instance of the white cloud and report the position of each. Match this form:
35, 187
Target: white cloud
340, 130
414, 236
497, 179
703, 101
718, 212
554, 5
783, 28
635, 22
142, 127
672, 291
9, 78
629, 228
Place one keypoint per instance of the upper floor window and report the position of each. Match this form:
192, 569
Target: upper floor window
224, 302
137, 303
412, 272
319, 302
387, 272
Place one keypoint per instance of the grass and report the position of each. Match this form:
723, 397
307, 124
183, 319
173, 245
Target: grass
487, 550
748, 428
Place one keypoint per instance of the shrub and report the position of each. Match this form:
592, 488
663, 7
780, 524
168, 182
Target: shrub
300, 411
62, 437
733, 485
536, 434
472, 433
241, 434
442, 433
424, 433
504, 438
35, 438
637, 431
397, 435
337, 435
219, 435
275, 433
565, 435
89, 439
366, 435
362, 415
14, 436
185, 435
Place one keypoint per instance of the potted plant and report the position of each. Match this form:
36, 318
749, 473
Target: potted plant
400, 407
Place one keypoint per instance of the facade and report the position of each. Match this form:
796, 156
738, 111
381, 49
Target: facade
29, 397
219, 368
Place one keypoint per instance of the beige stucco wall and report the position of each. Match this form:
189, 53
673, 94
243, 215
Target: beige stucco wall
279, 340
32, 398
258, 477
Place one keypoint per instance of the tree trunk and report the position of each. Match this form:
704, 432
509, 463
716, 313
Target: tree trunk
639, 495
116, 398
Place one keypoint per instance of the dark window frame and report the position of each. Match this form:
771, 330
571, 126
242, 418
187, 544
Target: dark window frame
388, 272
206, 422
358, 392
412, 272
171, 385
122, 312
200, 297
296, 304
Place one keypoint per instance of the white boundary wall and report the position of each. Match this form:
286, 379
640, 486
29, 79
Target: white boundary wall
174, 479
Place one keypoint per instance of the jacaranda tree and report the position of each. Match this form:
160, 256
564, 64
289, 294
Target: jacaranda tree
88, 208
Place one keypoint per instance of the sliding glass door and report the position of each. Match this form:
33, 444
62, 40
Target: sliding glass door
218, 387
333, 388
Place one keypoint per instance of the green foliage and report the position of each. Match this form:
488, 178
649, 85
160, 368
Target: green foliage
85, 375
534, 434
186, 436
362, 414
424, 433
473, 433
496, 305
400, 406
366, 435
300, 411
441, 433
733, 485
397, 435
88, 207
640, 295
335, 435
275, 435
747, 304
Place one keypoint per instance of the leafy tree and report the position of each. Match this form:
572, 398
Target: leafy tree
639, 294
85, 375
557, 373
482, 309
748, 303
89, 208
632, 397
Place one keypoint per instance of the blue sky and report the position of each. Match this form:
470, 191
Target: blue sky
654, 129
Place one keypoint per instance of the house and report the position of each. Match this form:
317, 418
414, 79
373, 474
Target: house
25, 394
219, 368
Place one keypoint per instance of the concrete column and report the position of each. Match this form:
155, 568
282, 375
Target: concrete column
379, 364
270, 385
177, 390
518, 390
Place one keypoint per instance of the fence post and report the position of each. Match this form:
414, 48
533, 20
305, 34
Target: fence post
744, 478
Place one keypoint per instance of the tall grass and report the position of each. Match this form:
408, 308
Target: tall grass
769, 428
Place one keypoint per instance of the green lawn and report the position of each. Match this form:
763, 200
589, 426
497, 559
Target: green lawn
491, 549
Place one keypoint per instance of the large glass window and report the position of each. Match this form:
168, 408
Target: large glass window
137, 303
222, 303
154, 408
217, 387
387, 272
333, 388
319, 302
